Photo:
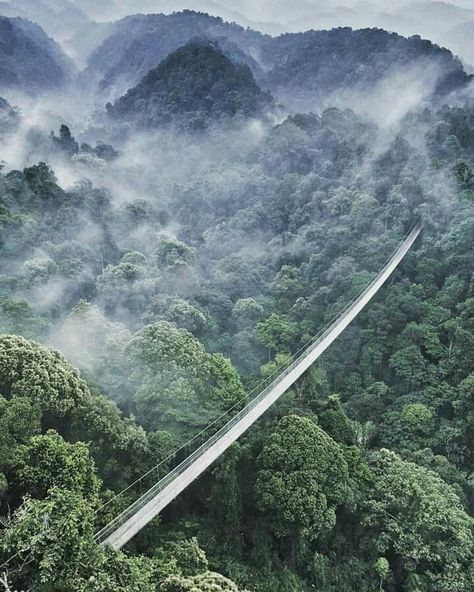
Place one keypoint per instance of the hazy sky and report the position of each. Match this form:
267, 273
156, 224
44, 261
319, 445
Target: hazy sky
273, 10
282, 11
285, 10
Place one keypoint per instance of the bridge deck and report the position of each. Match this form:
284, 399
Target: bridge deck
139, 514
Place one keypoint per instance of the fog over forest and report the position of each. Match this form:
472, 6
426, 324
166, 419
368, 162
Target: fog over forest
189, 193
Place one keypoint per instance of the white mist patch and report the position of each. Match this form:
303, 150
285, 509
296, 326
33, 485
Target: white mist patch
86, 336
39, 116
151, 164
48, 294
397, 95
391, 99
256, 130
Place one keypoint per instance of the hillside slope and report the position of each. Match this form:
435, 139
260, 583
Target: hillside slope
139, 43
193, 86
29, 60
305, 66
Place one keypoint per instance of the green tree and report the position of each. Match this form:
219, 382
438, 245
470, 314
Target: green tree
277, 333
303, 477
177, 311
287, 287
173, 254
247, 312
226, 502
464, 175
30, 370
382, 567
206, 582
54, 550
17, 316
180, 386
54, 539
418, 522
335, 422
48, 461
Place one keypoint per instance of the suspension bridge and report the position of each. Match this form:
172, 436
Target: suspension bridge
129, 522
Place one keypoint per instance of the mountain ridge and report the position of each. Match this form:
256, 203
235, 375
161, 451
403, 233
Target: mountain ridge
140, 42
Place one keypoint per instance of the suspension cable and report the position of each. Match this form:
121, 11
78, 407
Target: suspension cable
258, 388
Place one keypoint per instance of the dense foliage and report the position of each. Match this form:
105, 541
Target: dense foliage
333, 517
318, 63
192, 87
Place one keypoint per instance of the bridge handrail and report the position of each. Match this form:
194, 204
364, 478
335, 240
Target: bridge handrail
103, 534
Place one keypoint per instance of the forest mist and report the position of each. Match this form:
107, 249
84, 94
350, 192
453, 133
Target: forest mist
160, 166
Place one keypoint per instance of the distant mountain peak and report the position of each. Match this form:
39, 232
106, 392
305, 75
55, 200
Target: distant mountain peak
193, 86
139, 42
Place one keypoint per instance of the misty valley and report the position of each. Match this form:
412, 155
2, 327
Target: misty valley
189, 194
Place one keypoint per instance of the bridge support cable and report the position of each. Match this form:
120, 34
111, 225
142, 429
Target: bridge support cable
127, 524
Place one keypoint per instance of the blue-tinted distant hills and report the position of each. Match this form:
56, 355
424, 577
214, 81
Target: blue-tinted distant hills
303, 67
139, 43
307, 65
301, 70
30, 61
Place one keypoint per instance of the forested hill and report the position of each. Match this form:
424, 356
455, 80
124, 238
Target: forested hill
29, 60
320, 63
139, 43
193, 86
298, 67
